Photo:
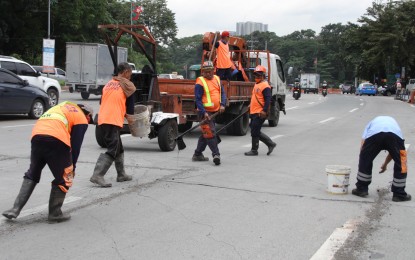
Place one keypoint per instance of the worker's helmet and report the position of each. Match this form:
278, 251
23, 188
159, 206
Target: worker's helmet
225, 34
207, 65
260, 70
88, 112
296, 80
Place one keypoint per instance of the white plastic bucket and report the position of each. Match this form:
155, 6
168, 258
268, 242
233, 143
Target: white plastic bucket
338, 178
139, 123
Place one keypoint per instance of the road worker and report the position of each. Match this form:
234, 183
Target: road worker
224, 62
210, 98
116, 102
260, 102
382, 133
56, 141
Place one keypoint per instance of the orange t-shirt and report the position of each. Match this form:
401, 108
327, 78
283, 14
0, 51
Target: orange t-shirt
214, 91
257, 107
223, 56
113, 108
59, 120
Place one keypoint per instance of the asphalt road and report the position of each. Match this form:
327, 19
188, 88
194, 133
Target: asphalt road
265, 207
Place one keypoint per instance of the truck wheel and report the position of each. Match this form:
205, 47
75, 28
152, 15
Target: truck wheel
98, 133
274, 123
240, 126
184, 127
84, 95
167, 136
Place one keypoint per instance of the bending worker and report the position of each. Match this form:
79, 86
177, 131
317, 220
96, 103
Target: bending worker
210, 98
224, 63
382, 133
117, 100
56, 141
260, 102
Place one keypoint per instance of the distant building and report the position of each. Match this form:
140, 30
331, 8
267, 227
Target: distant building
246, 28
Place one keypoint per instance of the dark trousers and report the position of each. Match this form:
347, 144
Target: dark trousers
112, 140
371, 148
224, 74
211, 142
56, 154
256, 124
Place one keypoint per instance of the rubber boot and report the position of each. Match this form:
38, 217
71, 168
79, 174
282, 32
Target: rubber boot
254, 149
57, 196
119, 166
25, 191
266, 140
103, 164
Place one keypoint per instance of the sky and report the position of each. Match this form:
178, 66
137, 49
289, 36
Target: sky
282, 16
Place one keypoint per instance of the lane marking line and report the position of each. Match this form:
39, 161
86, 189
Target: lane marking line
335, 241
326, 120
273, 137
361, 104
12, 126
41, 208
351, 111
311, 103
291, 108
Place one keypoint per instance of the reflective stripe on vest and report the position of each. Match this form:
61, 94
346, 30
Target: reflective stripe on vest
207, 92
57, 114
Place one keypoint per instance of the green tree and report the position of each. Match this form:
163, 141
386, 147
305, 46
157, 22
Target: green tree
160, 20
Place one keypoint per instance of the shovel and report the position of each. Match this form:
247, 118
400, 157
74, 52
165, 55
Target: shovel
179, 139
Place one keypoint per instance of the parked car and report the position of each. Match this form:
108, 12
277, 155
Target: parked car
348, 87
56, 73
27, 72
18, 97
366, 88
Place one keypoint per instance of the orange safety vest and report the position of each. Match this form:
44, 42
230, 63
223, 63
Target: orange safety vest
257, 98
59, 120
223, 56
213, 94
113, 108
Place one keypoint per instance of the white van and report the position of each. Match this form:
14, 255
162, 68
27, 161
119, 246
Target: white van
27, 72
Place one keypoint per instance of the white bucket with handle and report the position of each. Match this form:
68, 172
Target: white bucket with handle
338, 179
139, 123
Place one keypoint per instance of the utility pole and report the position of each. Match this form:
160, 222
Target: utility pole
49, 19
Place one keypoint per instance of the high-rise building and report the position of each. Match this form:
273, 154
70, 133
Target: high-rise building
246, 28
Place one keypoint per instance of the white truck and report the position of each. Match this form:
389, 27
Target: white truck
89, 67
310, 82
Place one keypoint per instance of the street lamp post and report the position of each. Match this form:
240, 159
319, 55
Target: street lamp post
49, 19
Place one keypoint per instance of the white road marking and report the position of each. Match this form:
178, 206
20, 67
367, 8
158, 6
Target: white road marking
326, 120
407, 146
41, 208
11, 126
273, 137
125, 135
351, 111
335, 241
311, 103
361, 104
291, 108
